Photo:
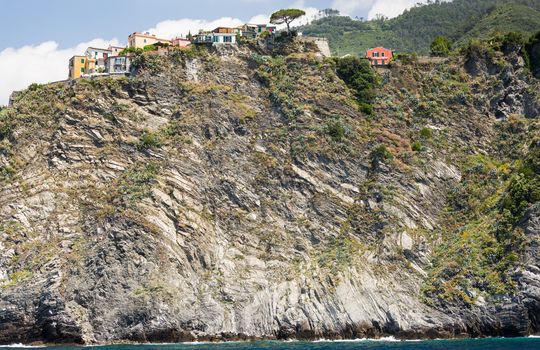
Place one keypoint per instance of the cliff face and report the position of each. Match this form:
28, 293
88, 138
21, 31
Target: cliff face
228, 195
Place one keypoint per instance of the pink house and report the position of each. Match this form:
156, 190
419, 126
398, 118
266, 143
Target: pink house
379, 56
180, 42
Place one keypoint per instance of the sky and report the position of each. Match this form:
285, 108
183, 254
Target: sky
39, 36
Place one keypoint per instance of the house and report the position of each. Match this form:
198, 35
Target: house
140, 40
227, 30
180, 42
117, 64
77, 66
216, 37
96, 59
115, 50
252, 31
379, 56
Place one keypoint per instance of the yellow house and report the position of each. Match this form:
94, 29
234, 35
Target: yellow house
80, 65
140, 40
77, 65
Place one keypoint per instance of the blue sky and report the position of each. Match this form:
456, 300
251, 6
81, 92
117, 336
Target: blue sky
70, 22
39, 36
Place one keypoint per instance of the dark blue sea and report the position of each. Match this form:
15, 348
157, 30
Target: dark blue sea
468, 344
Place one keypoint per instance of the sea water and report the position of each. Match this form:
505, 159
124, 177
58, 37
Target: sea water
531, 343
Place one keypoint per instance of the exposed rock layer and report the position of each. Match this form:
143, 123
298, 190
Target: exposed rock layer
185, 204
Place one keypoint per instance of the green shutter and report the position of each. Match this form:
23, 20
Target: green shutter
82, 70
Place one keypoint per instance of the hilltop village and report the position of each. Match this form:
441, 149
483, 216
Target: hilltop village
116, 60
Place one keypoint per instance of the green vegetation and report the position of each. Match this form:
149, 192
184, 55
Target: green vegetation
511, 17
180, 54
380, 155
441, 46
151, 63
359, 76
130, 50
476, 259
415, 29
149, 140
6, 122
273, 73
336, 129
339, 253
136, 183
533, 54
426, 133
16, 278
286, 16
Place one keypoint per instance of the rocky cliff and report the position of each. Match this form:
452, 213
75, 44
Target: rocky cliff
232, 194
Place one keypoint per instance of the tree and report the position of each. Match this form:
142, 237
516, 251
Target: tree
330, 12
441, 46
360, 77
286, 16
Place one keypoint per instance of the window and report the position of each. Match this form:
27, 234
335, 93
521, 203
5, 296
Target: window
82, 60
382, 54
145, 41
82, 69
373, 54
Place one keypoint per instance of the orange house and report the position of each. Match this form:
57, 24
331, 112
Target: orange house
379, 56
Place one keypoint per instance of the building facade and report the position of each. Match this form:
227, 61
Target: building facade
115, 50
180, 42
379, 56
140, 40
252, 31
221, 35
77, 66
227, 30
96, 59
117, 64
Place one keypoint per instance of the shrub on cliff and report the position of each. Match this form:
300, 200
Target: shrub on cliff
5, 123
441, 46
336, 130
533, 54
359, 76
380, 155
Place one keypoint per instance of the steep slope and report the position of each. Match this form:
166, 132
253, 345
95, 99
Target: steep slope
415, 29
228, 195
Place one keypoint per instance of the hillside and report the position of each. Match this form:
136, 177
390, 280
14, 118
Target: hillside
281, 196
415, 29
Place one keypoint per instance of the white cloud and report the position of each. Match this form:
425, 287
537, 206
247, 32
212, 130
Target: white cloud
391, 8
43, 63
349, 7
171, 28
